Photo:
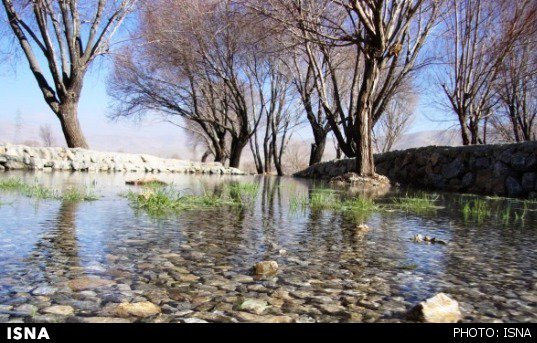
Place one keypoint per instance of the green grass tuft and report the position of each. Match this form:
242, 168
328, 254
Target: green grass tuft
41, 192
329, 200
419, 203
76, 195
243, 193
359, 204
477, 210
30, 190
164, 201
316, 200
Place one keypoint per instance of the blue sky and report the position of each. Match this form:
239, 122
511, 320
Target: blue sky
19, 94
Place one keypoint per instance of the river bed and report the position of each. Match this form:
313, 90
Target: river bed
64, 261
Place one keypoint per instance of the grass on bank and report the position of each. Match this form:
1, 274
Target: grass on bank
41, 192
160, 200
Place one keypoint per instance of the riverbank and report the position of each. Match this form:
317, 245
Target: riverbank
19, 157
503, 170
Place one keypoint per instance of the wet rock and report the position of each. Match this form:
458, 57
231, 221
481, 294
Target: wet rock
363, 228
428, 239
332, 308
196, 256
47, 318
438, 309
87, 283
355, 180
92, 305
188, 278
5, 308
215, 317
183, 313
435, 240
195, 321
254, 318
26, 310
44, 290
59, 310
101, 320
139, 309
266, 267
254, 306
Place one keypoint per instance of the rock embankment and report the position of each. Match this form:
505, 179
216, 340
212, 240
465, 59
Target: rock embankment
505, 170
18, 157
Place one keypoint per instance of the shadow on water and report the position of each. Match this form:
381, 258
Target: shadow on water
198, 262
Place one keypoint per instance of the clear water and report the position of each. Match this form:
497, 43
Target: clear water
329, 272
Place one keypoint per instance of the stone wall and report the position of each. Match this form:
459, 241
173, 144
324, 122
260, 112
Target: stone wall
507, 170
18, 157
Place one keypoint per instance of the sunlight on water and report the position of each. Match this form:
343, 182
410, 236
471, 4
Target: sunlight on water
197, 263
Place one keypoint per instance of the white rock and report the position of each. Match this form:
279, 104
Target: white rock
438, 309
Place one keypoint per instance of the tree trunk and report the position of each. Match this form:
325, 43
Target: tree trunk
317, 150
71, 127
339, 153
464, 130
277, 157
206, 156
514, 121
254, 147
363, 138
237, 146
365, 164
474, 132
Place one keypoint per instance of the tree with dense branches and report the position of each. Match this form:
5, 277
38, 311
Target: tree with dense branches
384, 38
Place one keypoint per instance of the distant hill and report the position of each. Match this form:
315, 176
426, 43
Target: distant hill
162, 145
168, 144
426, 138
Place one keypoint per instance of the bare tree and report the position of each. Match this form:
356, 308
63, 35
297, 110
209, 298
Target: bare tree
515, 117
296, 157
385, 38
478, 39
280, 117
199, 138
198, 61
46, 135
68, 35
396, 120
302, 68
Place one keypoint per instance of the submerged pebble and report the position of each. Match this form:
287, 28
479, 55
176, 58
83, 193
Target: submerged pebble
103, 261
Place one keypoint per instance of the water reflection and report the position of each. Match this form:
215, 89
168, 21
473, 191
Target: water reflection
198, 263
57, 250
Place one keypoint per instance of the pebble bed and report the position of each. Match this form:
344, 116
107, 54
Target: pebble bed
102, 261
